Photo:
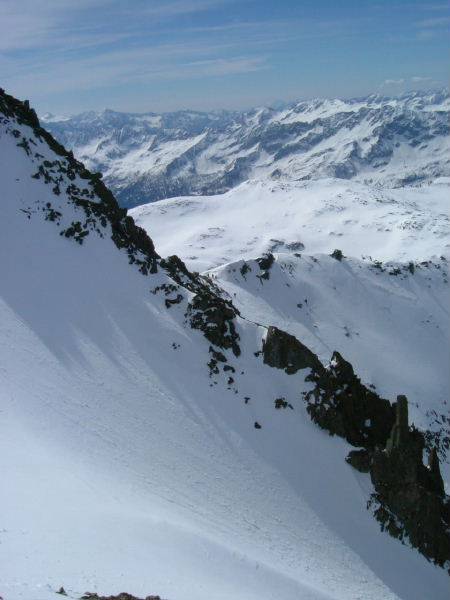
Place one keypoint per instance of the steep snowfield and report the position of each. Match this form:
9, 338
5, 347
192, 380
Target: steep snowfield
127, 467
147, 157
257, 217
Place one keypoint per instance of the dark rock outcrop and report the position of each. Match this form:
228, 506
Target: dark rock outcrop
283, 351
435, 477
337, 254
343, 406
266, 261
214, 316
359, 460
121, 596
177, 270
265, 264
409, 497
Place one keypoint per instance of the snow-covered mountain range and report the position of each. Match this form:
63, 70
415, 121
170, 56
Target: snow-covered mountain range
146, 157
165, 431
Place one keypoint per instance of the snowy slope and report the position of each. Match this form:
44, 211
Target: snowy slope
256, 217
358, 306
392, 324
146, 157
128, 465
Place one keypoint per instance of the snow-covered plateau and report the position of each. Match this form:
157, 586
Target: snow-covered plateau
410, 223
391, 142
160, 435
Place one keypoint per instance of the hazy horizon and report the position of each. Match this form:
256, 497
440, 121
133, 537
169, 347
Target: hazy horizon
276, 104
161, 56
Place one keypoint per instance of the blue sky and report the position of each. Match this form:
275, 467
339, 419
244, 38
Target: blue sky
153, 55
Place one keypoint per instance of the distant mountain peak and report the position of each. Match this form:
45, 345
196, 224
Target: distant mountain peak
390, 141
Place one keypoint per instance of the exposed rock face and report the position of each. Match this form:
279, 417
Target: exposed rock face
215, 317
359, 460
265, 264
207, 310
410, 498
400, 431
284, 351
176, 268
337, 254
343, 406
436, 481
121, 596
266, 261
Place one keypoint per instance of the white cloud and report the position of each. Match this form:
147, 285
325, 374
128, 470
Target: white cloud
78, 54
403, 84
436, 22
27, 24
418, 79
392, 82
140, 64
432, 28
222, 66
174, 8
